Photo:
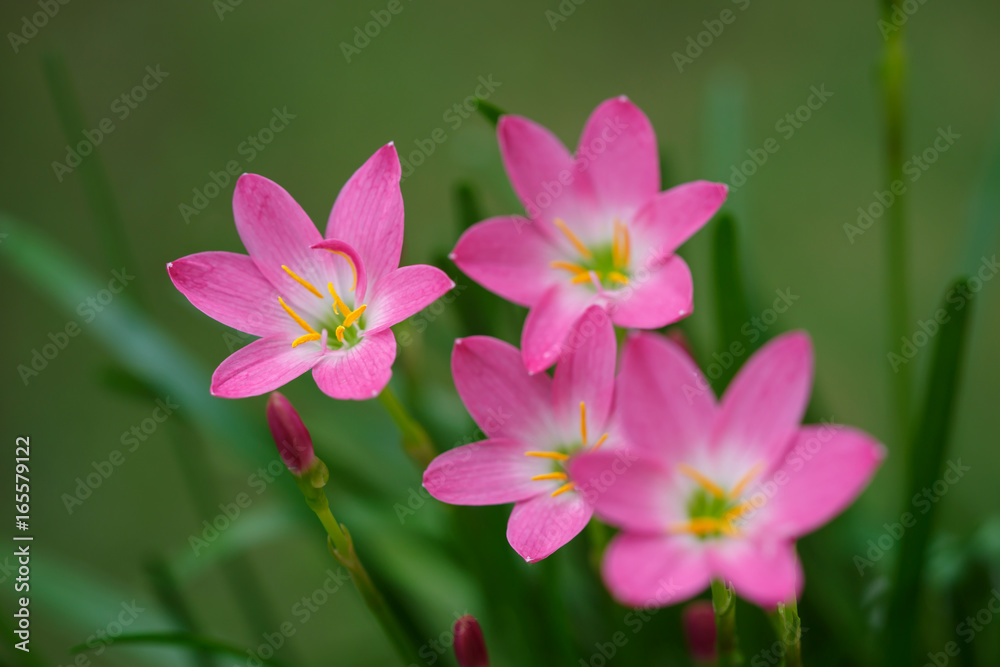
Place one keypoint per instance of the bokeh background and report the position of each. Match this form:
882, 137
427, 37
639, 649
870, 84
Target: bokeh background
131, 541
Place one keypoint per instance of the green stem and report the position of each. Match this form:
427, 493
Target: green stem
416, 442
788, 627
342, 547
893, 89
726, 643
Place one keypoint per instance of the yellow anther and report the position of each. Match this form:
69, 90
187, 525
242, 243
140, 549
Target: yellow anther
564, 488
737, 512
340, 334
305, 338
355, 314
569, 266
618, 277
350, 263
620, 244
558, 456
600, 441
301, 322
302, 282
700, 526
581, 278
746, 479
583, 423
549, 475
577, 243
339, 303
705, 482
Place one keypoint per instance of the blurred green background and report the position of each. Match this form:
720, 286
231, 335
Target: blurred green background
228, 67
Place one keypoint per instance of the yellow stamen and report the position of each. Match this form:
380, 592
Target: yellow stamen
618, 277
616, 242
340, 334
350, 262
583, 423
558, 456
746, 479
305, 338
338, 301
626, 245
569, 266
549, 475
301, 322
302, 282
601, 441
737, 512
581, 278
355, 314
700, 526
577, 243
705, 482
564, 488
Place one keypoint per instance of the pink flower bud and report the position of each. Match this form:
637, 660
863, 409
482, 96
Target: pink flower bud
470, 647
290, 434
699, 630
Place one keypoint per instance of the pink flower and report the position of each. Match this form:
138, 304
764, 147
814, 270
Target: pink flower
320, 304
535, 425
600, 231
722, 489
290, 435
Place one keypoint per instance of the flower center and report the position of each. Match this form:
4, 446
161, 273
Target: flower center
344, 321
711, 509
605, 266
560, 457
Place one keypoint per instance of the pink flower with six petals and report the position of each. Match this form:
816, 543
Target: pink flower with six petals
722, 490
536, 425
600, 231
324, 304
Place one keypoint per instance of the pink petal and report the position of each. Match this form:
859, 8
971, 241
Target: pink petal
368, 212
231, 289
626, 491
539, 526
669, 219
763, 406
586, 373
276, 231
764, 573
262, 366
825, 469
623, 158
662, 391
346, 278
655, 298
491, 472
549, 322
543, 173
502, 398
360, 372
654, 570
508, 256
403, 292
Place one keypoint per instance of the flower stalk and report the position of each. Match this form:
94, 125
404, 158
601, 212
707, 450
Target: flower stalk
416, 442
788, 627
726, 643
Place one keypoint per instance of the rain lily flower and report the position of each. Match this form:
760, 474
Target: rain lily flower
721, 490
699, 631
599, 229
535, 425
290, 435
470, 646
324, 304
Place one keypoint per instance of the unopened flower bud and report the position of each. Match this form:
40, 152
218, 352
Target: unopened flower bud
470, 647
699, 630
290, 434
